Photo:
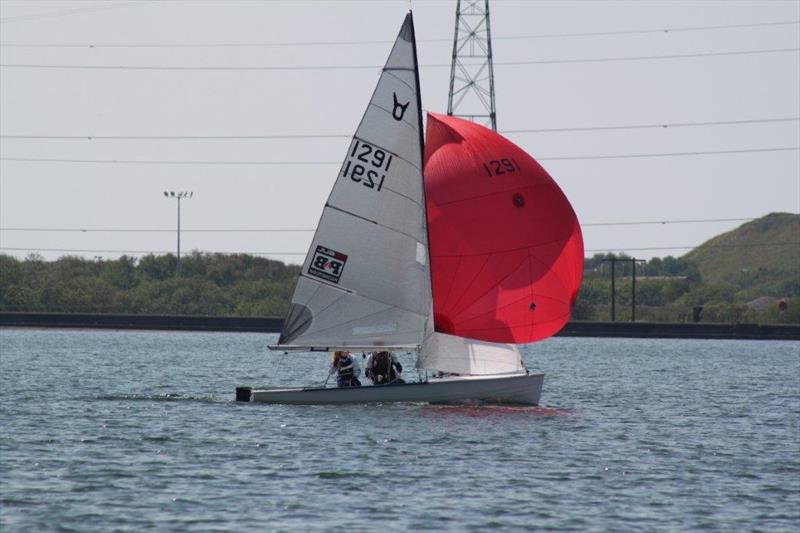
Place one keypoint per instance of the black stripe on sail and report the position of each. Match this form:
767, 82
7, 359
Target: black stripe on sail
297, 321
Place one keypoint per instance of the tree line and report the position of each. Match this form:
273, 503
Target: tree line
207, 284
667, 289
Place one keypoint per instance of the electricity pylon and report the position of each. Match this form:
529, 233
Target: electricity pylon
472, 82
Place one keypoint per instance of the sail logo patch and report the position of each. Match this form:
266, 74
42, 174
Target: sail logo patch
399, 109
327, 264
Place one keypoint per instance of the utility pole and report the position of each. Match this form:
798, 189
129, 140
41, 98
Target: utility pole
613, 261
613, 290
633, 290
183, 195
472, 83
633, 286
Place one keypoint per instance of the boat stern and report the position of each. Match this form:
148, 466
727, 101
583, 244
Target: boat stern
243, 394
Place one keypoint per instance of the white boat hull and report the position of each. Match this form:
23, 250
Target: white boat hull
524, 389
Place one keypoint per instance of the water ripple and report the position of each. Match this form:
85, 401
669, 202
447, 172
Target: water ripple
106, 430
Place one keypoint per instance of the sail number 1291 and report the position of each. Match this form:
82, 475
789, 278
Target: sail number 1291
367, 165
496, 167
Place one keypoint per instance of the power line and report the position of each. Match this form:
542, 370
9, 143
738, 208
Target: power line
200, 68
299, 163
306, 230
382, 41
75, 11
210, 45
643, 58
182, 137
377, 67
672, 154
651, 126
645, 31
347, 136
165, 162
750, 245
72, 250
607, 249
662, 222
154, 230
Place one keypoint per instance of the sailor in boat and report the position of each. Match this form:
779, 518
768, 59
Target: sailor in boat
346, 368
383, 368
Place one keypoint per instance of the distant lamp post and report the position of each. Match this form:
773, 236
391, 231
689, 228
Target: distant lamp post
182, 195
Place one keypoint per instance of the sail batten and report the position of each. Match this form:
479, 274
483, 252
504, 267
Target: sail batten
365, 219
342, 289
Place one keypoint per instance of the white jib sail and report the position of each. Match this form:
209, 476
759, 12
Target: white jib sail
365, 281
457, 355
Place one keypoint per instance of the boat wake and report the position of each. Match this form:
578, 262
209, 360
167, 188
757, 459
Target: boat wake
166, 397
341, 475
492, 411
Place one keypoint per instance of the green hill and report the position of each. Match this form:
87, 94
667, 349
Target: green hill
759, 258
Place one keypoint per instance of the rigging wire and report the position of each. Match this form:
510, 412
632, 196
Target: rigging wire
307, 230
301, 163
346, 136
378, 67
383, 41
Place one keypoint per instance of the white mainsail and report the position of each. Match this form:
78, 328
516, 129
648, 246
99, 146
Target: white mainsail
365, 282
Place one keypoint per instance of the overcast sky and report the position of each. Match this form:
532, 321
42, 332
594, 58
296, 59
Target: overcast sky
760, 88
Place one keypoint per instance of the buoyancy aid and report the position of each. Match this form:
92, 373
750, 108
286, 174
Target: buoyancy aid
344, 368
382, 366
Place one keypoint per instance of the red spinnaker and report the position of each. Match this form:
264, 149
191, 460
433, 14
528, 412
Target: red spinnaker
505, 244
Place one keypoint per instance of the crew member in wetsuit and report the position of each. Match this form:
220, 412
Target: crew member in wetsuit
346, 368
383, 368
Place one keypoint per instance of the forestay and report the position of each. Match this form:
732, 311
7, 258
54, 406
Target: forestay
365, 281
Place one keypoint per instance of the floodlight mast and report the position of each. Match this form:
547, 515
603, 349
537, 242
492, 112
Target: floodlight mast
181, 195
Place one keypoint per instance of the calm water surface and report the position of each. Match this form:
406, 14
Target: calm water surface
110, 430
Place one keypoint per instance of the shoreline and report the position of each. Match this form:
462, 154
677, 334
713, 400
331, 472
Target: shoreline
575, 328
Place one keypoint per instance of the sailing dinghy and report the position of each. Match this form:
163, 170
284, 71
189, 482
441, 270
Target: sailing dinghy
483, 255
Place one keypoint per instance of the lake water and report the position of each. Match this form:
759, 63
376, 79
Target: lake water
116, 430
